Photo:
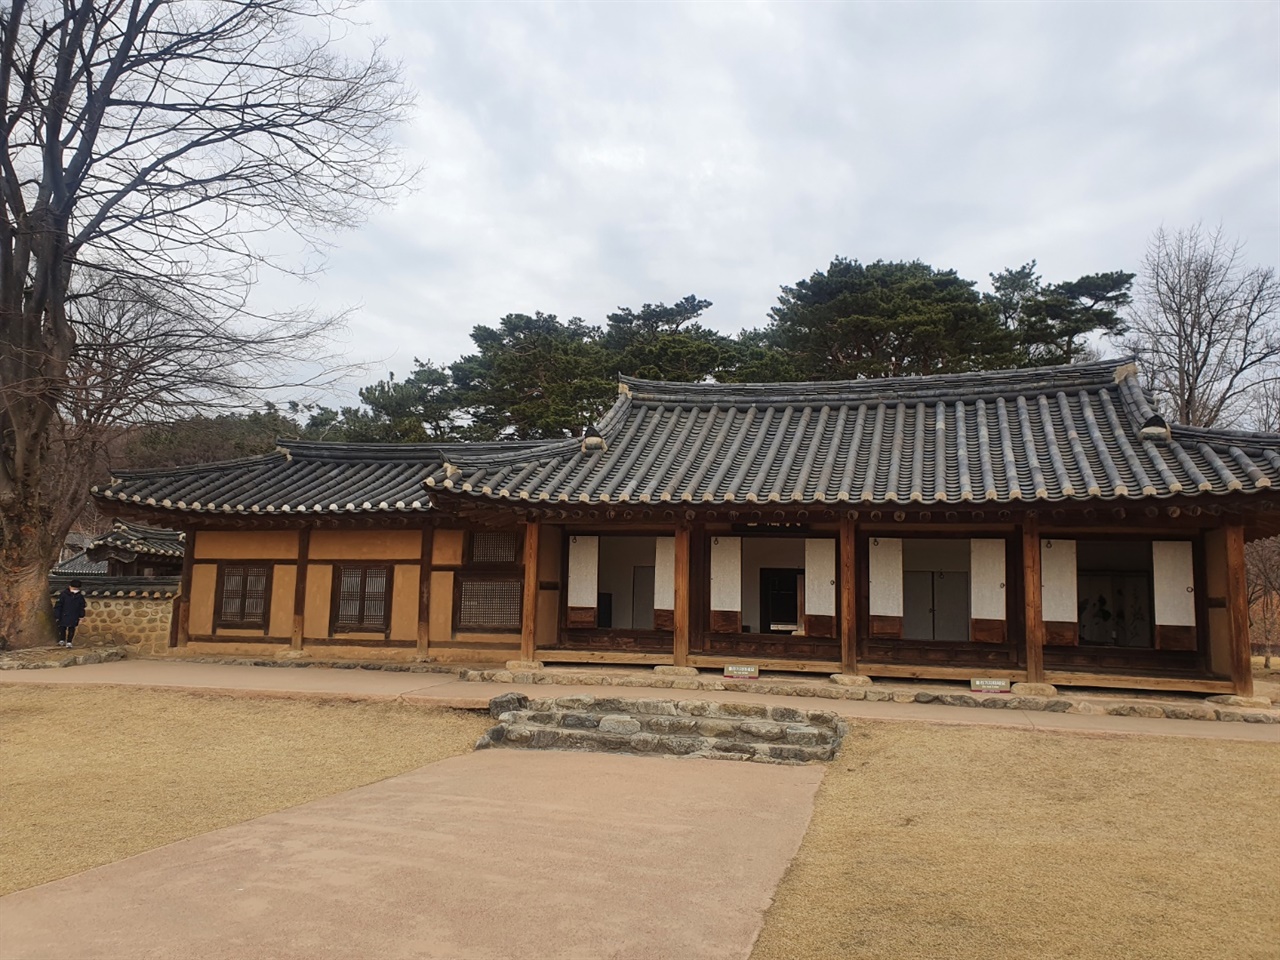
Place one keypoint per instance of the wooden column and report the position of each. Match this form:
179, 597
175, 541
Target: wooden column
180, 618
1238, 612
529, 606
424, 591
848, 597
300, 588
680, 639
1033, 602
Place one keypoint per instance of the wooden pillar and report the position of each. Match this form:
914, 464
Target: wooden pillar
1033, 602
300, 587
680, 639
529, 606
1238, 612
180, 618
424, 591
848, 597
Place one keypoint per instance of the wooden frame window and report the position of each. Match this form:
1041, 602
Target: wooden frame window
243, 595
490, 548
361, 598
489, 602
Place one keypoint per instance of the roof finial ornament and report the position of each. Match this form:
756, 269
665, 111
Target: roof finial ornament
592, 441
1156, 428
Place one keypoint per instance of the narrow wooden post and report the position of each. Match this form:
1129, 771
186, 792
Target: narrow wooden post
300, 588
682, 566
180, 618
529, 608
1033, 602
424, 591
848, 597
1238, 612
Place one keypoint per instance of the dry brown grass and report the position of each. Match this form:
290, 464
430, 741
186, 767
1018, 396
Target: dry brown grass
92, 776
947, 842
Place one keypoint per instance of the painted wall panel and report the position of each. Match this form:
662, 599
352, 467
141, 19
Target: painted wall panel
726, 573
284, 579
246, 545
446, 547
884, 573
204, 583
987, 580
664, 573
315, 616
584, 571
1058, 591
440, 616
365, 545
1173, 576
404, 602
820, 578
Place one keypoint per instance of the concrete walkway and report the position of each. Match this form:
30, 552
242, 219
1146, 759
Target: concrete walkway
444, 689
496, 854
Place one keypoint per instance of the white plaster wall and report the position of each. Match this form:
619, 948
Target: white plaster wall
1173, 576
785, 553
820, 577
584, 571
884, 572
726, 573
664, 573
987, 580
1058, 581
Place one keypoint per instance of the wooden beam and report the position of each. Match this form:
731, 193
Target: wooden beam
1238, 612
848, 597
680, 645
300, 587
1067, 678
791, 666
600, 656
911, 671
180, 618
529, 606
1033, 604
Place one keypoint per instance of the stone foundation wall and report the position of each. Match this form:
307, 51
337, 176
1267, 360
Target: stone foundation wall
141, 623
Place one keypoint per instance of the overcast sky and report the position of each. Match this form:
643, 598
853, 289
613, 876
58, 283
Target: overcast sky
578, 157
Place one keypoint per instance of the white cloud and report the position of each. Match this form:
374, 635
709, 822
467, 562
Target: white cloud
584, 156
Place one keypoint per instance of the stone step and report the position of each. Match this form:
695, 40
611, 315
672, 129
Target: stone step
680, 728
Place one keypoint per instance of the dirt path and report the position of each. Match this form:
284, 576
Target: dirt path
493, 855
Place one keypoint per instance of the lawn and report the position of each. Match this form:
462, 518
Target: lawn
946, 842
93, 776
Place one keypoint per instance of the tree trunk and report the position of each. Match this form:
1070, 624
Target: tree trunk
26, 616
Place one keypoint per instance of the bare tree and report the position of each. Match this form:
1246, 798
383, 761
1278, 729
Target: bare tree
1262, 569
149, 145
1205, 325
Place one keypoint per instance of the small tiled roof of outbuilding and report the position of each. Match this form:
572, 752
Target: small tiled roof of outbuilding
137, 538
79, 565
299, 477
101, 585
1068, 433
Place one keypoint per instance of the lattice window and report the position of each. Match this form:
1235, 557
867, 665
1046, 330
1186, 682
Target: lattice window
495, 547
489, 603
244, 590
362, 601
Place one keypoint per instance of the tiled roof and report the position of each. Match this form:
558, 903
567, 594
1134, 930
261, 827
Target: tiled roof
80, 565
299, 477
104, 586
1072, 433
125, 539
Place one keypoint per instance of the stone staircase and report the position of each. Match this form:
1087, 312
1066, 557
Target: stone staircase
676, 728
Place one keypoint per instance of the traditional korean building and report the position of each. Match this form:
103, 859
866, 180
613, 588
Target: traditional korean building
1042, 524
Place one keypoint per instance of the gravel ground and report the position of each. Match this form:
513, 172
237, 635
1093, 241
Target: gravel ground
93, 776
963, 842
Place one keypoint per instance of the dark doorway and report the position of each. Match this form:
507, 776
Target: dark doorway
779, 600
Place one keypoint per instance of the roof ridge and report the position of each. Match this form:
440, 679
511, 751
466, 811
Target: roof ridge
258, 458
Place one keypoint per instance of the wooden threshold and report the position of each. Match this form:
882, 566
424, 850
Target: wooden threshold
794, 666
257, 638
600, 656
370, 644
1185, 684
925, 672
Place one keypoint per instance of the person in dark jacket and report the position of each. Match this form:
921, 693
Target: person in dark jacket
68, 611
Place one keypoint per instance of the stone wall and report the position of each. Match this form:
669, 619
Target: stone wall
141, 623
